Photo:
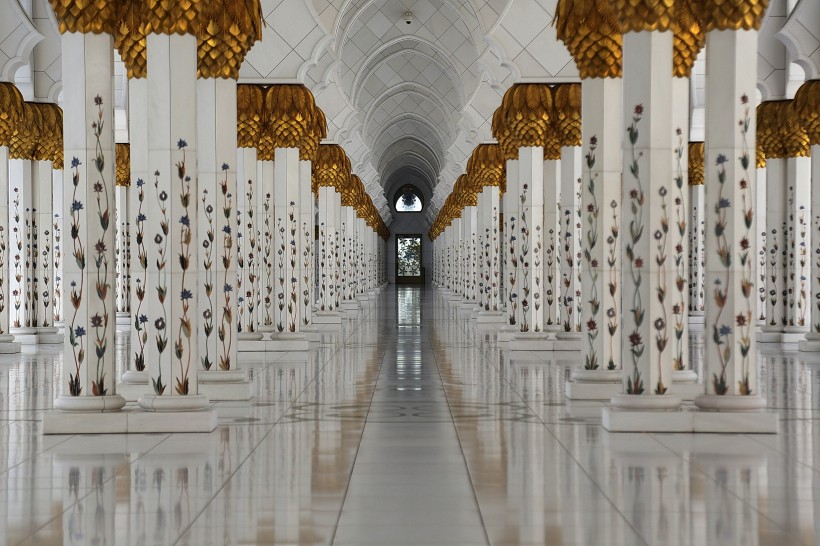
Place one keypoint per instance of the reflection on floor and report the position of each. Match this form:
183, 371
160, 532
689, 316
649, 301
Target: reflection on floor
408, 427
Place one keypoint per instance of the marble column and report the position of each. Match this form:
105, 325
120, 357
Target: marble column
142, 214
216, 110
251, 286
812, 341
492, 254
174, 234
602, 313
696, 257
683, 375
799, 237
21, 189
267, 256
647, 197
123, 258
327, 260
42, 253
570, 284
551, 291
511, 210
776, 249
307, 272
730, 350
531, 242
88, 210
7, 343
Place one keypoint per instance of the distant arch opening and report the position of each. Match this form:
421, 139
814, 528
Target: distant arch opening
409, 199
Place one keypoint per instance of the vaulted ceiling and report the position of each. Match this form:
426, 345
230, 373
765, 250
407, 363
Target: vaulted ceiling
408, 100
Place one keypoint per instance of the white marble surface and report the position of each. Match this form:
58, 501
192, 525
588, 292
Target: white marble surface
409, 427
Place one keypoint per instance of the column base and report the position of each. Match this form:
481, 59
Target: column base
567, 341
466, 308
770, 334
490, 317
8, 345
312, 333
250, 346
594, 384
249, 336
40, 335
506, 332
134, 384
224, 385
531, 341
734, 414
287, 342
123, 321
685, 384
349, 308
326, 317
794, 334
696, 317
646, 413
811, 344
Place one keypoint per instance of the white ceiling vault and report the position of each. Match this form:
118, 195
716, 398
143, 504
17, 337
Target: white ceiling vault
408, 101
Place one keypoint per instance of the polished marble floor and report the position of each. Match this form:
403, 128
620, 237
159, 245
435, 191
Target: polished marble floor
409, 427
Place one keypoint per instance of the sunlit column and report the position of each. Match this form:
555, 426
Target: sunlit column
88, 213
11, 98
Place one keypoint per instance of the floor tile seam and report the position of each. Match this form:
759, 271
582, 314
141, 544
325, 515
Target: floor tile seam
42, 452
570, 455
461, 448
698, 469
91, 490
263, 438
361, 435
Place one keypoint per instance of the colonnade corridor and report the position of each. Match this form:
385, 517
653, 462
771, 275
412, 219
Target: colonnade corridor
409, 426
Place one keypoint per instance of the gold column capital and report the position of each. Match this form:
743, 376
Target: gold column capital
122, 153
228, 30
730, 14
11, 111
487, 167
567, 119
250, 114
86, 16
331, 168
317, 131
807, 109
695, 164
171, 16
528, 115
592, 34
290, 110
24, 139
688, 40
129, 39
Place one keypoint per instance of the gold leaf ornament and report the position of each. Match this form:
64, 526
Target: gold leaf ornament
730, 14
807, 109
592, 35
696, 164
11, 111
122, 154
86, 16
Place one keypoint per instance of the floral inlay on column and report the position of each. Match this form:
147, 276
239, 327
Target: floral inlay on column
268, 261
743, 320
513, 273
801, 273
240, 267
225, 331
252, 291
141, 280
161, 323
182, 343
568, 297
58, 266
293, 260
593, 212
208, 281
636, 227
18, 243
76, 332
611, 260
280, 276
307, 256
680, 271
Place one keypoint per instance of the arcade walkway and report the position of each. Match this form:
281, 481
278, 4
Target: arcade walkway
408, 428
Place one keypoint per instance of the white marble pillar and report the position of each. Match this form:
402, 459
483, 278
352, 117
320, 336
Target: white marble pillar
695, 256
602, 312
267, 258
142, 214
173, 276
552, 290
511, 210
531, 178
7, 343
88, 210
21, 186
730, 352
570, 284
123, 262
482, 240
327, 258
777, 251
216, 269
307, 273
648, 203
42, 252
799, 238
812, 341
249, 281
682, 370
762, 247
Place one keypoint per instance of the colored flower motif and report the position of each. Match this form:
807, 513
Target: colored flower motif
143, 319
97, 187
163, 196
141, 217
140, 182
158, 238
79, 331
227, 288
185, 294
75, 162
99, 247
98, 100
185, 221
721, 159
639, 109
740, 320
635, 339
181, 144
76, 206
96, 321
725, 330
225, 167
226, 229
159, 324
